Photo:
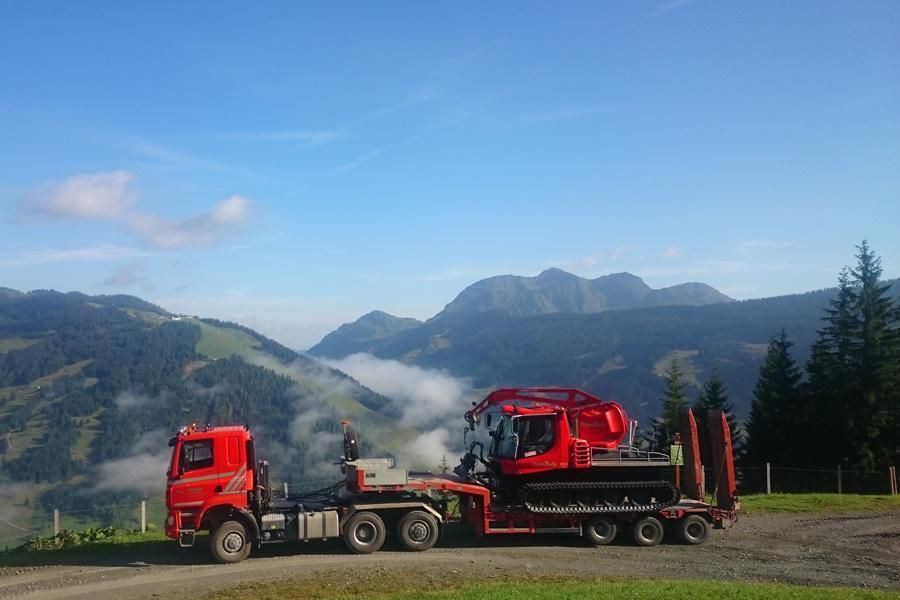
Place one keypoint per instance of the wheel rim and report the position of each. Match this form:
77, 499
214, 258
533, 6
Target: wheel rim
418, 531
602, 529
233, 542
694, 531
648, 532
365, 533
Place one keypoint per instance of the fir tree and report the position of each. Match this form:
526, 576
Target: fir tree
875, 352
666, 425
769, 434
853, 370
713, 396
444, 467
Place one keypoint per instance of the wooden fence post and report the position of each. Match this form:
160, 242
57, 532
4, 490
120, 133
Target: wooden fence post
840, 481
285, 489
55, 522
143, 516
768, 478
892, 479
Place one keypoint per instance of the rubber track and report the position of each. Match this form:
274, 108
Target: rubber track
601, 485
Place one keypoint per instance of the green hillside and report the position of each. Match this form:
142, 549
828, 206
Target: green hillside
89, 380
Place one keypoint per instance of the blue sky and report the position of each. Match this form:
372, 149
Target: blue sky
292, 166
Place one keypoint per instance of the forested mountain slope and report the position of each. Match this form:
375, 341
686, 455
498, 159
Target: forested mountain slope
617, 354
86, 379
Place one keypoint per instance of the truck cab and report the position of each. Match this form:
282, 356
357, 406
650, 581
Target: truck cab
211, 475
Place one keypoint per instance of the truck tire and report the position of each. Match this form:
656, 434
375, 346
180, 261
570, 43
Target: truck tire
229, 542
600, 530
418, 531
692, 529
364, 533
647, 531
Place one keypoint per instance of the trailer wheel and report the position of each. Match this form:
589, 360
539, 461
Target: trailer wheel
229, 543
647, 531
693, 529
364, 533
418, 531
600, 530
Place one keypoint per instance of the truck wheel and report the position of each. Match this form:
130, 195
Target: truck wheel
418, 531
692, 529
229, 542
647, 531
600, 530
364, 533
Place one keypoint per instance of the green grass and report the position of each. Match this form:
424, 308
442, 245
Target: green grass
123, 544
816, 503
392, 588
222, 342
15, 343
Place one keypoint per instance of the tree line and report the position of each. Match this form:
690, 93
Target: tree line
841, 408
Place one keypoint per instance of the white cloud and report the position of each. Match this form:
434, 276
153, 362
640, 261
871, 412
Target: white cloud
87, 196
200, 230
425, 399
109, 197
421, 396
144, 471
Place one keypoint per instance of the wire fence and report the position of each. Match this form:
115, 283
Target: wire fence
774, 479
18, 524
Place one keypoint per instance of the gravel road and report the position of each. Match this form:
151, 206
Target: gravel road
861, 550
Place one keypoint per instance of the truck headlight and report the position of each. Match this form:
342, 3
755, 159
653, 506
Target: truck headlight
170, 521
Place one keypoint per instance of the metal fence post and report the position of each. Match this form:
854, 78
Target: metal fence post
768, 478
840, 481
55, 522
143, 516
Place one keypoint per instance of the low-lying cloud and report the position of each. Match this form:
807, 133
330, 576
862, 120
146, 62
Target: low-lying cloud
426, 400
110, 196
143, 471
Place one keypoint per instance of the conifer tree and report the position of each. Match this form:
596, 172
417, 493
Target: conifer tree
874, 354
673, 399
769, 434
853, 369
713, 396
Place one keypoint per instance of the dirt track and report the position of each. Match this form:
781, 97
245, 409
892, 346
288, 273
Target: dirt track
860, 550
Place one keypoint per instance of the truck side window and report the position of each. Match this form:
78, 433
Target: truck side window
197, 455
536, 434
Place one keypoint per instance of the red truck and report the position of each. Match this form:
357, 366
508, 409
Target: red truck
558, 460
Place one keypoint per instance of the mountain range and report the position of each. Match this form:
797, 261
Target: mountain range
613, 336
553, 291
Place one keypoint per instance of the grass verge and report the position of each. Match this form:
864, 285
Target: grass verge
817, 503
388, 588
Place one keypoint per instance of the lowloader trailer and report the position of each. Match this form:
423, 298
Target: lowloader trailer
559, 461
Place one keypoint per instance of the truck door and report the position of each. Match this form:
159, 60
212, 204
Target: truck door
233, 470
198, 475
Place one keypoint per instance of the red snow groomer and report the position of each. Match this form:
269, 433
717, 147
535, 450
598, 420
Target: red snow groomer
562, 451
